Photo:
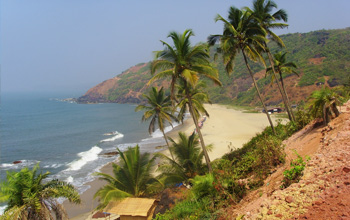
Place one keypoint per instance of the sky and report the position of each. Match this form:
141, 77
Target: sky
70, 46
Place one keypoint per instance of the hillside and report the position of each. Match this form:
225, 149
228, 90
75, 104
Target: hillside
322, 192
323, 57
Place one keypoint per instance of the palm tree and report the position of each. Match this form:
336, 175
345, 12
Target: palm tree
184, 63
323, 102
282, 66
159, 110
262, 14
131, 178
28, 197
188, 160
241, 34
197, 97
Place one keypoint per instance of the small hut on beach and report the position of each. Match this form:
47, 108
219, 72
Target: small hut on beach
133, 208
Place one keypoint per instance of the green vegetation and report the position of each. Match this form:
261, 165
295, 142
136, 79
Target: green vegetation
324, 102
29, 196
159, 110
131, 178
241, 34
233, 176
189, 209
188, 161
185, 65
281, 66
294, 174
329, 45
197, 97
244, 169
186, 70
262, 13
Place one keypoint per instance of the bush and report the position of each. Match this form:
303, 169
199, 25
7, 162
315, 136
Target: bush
302, 117
189, 209
203, 186
269, 155
229, 189
294, 174
233, 175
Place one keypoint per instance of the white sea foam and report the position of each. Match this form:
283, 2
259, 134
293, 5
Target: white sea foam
2, 209
85, 157
70, 179
111, 133
55, 165
116, 136
158, 134
4, 165
22, 164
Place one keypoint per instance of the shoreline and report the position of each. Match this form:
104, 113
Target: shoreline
82, 211
225, 129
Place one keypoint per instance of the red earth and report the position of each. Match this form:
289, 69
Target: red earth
324, 190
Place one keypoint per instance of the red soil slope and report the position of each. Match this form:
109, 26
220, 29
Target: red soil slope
324, 190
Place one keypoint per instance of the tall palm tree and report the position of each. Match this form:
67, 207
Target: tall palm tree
282, 66
28, 197
188, 160
323, 102
184, 63
131, 178
262, 14
159, 110
241, 34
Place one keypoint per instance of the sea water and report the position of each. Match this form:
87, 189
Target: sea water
66, 138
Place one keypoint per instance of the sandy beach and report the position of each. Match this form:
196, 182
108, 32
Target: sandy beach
226, 128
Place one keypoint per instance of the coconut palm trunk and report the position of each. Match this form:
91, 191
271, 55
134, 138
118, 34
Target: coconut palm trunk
206, 156
326, 115
257, 89
283, 87
167, 143
286, 94
282, 91
335, 109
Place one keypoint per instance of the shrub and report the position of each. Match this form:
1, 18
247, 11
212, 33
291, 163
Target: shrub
189, 209
294, 174
203, 186
269, 155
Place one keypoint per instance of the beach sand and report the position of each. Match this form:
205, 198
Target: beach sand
225, 129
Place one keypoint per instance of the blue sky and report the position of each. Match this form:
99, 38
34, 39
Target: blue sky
64, 45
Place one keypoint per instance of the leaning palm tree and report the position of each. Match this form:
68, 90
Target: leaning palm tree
262, 14
281, 66
184, 63
323, 103
28, 196
187, 163
131, 178
241, 34
159, 110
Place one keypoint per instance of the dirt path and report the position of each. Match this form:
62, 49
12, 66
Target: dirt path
324, 190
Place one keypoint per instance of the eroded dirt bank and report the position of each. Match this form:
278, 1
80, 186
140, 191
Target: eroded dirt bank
324, 190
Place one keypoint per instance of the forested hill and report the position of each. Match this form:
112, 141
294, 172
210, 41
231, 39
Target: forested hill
322, 57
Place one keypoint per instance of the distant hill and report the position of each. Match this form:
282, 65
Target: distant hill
323, 57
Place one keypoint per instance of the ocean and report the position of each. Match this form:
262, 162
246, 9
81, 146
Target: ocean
66, 138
